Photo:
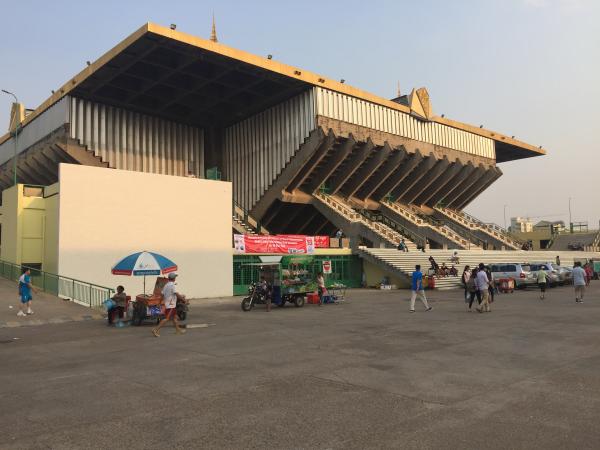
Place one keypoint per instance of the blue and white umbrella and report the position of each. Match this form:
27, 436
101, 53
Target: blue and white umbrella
142, 264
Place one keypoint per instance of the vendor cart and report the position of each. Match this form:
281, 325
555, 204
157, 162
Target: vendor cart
152, 307
280, 286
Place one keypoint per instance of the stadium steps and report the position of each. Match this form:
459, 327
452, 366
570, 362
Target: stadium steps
355, 224
495, 233
402, 264
244, 223
589, 241
38, 165
437, 232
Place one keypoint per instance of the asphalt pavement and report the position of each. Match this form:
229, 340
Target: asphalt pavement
360, 375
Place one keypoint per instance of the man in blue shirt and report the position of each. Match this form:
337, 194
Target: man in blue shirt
417, 290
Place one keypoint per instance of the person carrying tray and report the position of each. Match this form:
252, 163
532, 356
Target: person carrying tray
170, 297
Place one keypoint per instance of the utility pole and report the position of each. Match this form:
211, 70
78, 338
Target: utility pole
570, 220
16, 135
505, 217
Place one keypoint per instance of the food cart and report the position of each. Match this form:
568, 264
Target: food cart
152, 308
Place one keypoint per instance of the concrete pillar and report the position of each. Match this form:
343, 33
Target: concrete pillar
409, 163
465, 186
356, 159
362, 175
456, 182
428, 179
415, 177
434, 188
322, 174
392, 163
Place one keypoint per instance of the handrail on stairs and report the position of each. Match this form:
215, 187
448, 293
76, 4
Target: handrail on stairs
416, 238
241, 213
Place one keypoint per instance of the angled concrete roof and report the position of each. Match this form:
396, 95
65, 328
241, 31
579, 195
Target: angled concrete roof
192, 80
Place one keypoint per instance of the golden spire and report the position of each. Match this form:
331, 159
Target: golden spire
213, 33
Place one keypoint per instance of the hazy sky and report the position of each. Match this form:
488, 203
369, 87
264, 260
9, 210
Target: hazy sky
529, 68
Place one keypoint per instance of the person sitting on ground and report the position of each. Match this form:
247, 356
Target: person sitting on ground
454, 258
452, 271
444, 270
120, 299
400, 246
434, 266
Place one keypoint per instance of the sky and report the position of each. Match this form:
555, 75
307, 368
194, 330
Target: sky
529, 68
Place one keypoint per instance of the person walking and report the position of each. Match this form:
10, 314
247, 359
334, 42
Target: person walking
321, 287
579, 282
170, 297
558, 260
417, 290
473, 290
492, 284
25, 289
464, 279
483, 284
542, 279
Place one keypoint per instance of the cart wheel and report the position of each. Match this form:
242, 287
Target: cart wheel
182, 315
246, 304
137, 322
299, 301
157, 320
281, 304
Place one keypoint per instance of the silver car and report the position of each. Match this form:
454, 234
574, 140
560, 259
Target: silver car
516, 271
553, 279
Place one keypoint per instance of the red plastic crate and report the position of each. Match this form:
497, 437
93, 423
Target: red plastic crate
312, 297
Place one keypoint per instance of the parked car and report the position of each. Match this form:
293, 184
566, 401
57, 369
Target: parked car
551, 274
565, 275
516, 271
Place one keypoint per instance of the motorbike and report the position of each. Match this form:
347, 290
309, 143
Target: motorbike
258, 295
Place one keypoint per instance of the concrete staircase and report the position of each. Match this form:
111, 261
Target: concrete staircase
491, 232
434, 231
341, 213
588, 240
403, 264
244, 223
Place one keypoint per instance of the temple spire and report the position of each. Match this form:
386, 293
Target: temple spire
213, 33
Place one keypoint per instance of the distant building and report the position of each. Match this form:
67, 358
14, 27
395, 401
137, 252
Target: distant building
520, 225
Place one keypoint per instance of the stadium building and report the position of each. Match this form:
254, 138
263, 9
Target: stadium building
299, 153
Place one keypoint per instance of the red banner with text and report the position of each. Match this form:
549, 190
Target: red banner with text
296, 245
320, 241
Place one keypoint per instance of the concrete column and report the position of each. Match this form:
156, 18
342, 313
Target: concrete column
427, 180
323, 173
415, 177
409, 163
495, 173
392, 163
356, 159
434, 188
454, 183
466, 185
362, 175
312, 163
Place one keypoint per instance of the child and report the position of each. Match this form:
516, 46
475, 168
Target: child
25, 288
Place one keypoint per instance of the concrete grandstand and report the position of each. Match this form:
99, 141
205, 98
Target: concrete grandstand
305, 154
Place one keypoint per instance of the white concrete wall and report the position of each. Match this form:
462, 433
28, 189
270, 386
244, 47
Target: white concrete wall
106, 214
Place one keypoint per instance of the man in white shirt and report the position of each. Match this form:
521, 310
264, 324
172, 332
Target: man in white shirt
579, 282
170, 297
483, 284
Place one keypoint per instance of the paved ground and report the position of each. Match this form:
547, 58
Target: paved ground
365, 374
47, 309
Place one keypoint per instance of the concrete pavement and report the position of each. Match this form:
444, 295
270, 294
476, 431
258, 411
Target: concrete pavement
365, 374
47, 309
